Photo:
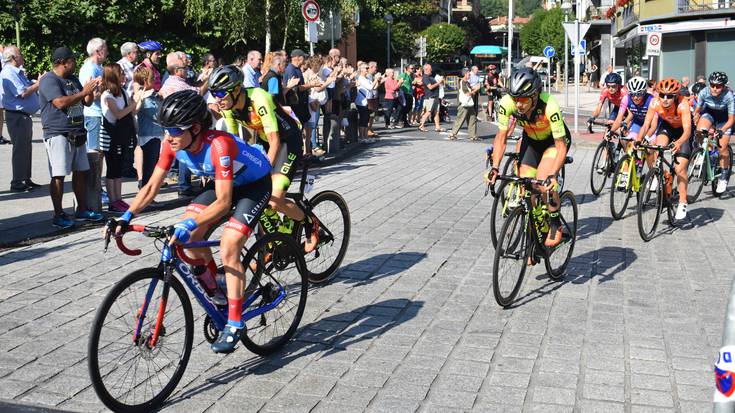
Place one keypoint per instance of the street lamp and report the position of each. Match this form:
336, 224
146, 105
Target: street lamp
389, 21
566, 7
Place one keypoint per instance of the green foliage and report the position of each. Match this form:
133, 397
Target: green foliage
544, 29
372, 40
417, 14
443, 41
495, 8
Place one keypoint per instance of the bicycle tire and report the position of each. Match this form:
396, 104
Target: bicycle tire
508, 168
729, 173
556, 272
513, 234
496, 213
97, 376
696, 178
562, 177
619, 198
600, 170
284, 255
320, 270
672, 204
646, 205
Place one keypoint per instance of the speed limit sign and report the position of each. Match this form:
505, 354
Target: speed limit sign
653, 44
310, 10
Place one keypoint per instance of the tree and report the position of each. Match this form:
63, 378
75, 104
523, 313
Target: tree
544, 29
443, 41
495, 8
372, 38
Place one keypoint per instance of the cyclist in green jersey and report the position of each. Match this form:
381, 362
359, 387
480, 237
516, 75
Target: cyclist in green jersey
279, 132
546, 138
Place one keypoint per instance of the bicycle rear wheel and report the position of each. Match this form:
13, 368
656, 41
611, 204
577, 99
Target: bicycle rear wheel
601, 168
696, 173
728, 171
507, 195
132, 374
621, 187
334, 236
558, 258
650, 203
278, 283
511, 257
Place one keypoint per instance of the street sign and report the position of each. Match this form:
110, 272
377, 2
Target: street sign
421, 47
312, 32
571, 32
549, 51
310, 10
581, 48
653, 44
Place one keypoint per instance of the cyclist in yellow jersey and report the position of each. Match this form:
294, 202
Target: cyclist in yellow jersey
279, 133
546, 137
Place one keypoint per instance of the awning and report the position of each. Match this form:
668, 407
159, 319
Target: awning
673, 27
489, 50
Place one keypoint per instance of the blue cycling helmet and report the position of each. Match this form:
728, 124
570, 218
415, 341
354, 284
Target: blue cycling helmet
613, 78
149, 46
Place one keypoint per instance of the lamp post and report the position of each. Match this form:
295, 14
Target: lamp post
510, 37
389, 21
566, 7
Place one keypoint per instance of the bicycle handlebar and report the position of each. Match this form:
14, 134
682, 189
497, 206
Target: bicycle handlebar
119, 240
154, 232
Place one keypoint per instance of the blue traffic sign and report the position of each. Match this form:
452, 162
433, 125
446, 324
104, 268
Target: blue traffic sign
582, 47
549, 51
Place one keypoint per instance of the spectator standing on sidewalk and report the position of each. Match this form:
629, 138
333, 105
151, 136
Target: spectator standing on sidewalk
62, 98
118, 131
431, 99
273, 80
317, 98
251, 69
473, 82
467, 110
392, 101
152, 50
366, 89
297, 96
175, 82
374, 101
92, 69
129, 52
3, 141
149, 130
407, 91
20, 100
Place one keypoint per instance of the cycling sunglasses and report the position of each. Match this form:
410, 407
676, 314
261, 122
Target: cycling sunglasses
638, 94
220, 94
522, 100
716, 86
613, 85
175, 132
669, 95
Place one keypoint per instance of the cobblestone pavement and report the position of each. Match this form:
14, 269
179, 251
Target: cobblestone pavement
410, 324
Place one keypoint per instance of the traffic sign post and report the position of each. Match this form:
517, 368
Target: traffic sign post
421, 49
576, 32
311, 11
653, 44
549, 52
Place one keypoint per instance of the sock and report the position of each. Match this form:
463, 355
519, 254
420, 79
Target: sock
234, 311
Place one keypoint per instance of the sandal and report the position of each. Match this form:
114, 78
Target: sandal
439, 130
423, 129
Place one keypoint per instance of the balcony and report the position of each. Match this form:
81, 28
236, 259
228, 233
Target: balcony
692, 6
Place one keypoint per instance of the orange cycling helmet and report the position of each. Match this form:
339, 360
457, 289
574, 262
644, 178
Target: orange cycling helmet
669, 85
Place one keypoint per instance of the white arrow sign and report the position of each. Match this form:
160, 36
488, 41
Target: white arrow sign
571, 32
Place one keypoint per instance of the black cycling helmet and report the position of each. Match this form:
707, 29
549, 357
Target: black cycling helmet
697, 87
524, 83
183, 109
225, 78
718, 78
613, 78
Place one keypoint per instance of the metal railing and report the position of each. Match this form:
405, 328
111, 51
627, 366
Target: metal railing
686, 6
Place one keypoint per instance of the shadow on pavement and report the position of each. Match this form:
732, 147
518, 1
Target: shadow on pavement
377, 267
588, 226
329, 335
700, 217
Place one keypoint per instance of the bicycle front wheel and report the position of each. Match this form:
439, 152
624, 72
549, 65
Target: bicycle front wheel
649, 206
334, 236
511, 257
274, 265
558, 259
508, 194
696, 173
620, 187
601, 168
130, 372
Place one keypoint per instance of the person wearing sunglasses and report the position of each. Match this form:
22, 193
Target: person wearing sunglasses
612, 92
241, 177
545, 138
671, 119
635, 106
716, 109
278, 131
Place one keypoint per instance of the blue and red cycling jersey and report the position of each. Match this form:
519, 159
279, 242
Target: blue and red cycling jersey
222, 157
639, 112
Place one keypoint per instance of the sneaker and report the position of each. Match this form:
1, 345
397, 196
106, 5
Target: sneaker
311, 231
369, 140
228, 339
721, 186
681, 212
105, 198
88, 216
63, 221
32, 184
117, 207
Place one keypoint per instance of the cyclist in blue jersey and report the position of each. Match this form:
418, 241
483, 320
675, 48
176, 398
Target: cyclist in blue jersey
716, 109
241, 177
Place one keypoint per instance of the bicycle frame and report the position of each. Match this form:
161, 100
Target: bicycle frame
635, 155
706, 160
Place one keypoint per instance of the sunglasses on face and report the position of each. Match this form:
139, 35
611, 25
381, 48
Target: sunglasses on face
714, 86
613, 86
175, 132
669, 95
638, 94
522, 100
220, 94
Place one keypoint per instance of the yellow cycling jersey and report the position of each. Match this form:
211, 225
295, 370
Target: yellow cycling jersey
545, 122
261, 114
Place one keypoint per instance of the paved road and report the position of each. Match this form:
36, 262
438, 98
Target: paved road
410, 324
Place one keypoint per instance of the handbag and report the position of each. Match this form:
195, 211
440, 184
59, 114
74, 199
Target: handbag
466, 100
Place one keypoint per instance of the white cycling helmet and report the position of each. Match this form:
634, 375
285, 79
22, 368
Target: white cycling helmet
637, 85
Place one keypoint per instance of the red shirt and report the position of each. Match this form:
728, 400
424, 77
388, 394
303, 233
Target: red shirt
615, 99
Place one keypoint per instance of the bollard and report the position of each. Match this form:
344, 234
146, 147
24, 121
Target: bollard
723, 404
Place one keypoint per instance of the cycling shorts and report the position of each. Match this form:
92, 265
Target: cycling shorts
664, 128
287, 160
717, 119
532, 150
635, 129
250, 200
614, 113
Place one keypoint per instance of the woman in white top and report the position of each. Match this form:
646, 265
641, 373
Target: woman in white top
118, 131
317, 98
366, 89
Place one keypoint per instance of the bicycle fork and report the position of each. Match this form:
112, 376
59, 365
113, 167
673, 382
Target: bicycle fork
157, 327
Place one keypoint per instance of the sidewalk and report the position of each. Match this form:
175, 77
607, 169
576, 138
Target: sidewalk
587, 100
25, 218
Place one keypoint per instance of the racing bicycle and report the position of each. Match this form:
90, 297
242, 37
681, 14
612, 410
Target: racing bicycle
704, 166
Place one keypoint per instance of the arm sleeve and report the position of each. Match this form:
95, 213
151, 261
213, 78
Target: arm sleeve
700, 98
223, 153
50, 88
505, 109
273, 86
166, 157
265, 108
